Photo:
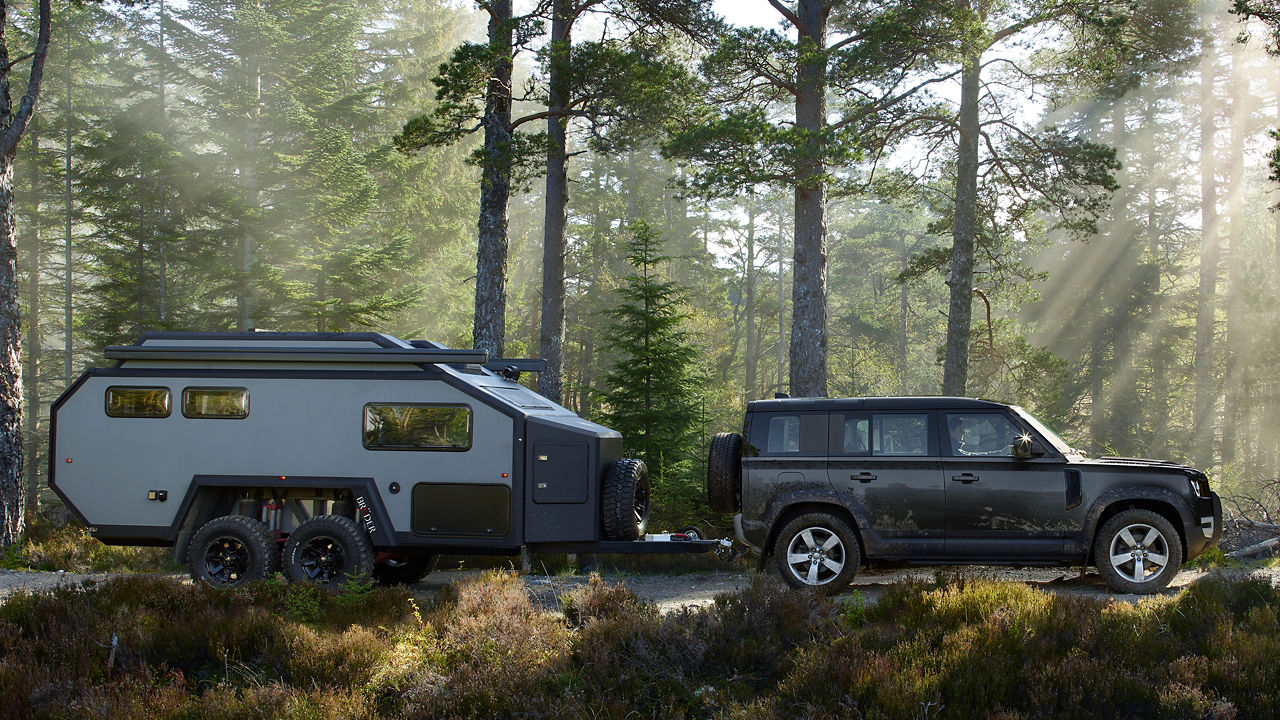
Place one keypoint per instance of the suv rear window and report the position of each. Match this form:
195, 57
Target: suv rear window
790, 433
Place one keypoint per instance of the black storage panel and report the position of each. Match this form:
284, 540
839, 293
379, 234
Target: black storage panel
449, 509
560, 472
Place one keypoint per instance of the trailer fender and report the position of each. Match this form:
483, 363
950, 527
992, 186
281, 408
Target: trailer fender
211, 496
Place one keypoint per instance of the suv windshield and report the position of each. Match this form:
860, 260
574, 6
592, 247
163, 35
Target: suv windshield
1058, 443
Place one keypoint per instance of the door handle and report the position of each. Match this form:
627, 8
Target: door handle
965, 478
863, 477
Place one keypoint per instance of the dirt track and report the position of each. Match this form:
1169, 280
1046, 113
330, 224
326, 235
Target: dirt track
674, 591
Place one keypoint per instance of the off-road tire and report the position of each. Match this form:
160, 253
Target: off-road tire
625, 500
831, 541
231, 550
1120, 568
328, 550
404, 571
724, 473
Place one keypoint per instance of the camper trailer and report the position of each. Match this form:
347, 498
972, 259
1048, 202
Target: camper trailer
334, 455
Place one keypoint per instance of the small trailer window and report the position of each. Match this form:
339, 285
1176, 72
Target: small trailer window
214, 402
137, 402
417, 427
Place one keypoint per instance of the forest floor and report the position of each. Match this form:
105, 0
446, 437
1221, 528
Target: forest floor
674, 591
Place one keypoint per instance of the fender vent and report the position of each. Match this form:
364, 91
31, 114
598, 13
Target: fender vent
1074, 492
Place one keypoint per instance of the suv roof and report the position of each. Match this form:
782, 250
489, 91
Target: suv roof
874, 403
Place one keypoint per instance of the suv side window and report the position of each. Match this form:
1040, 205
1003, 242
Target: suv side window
900, 434
850, 434
986, 434
783, 434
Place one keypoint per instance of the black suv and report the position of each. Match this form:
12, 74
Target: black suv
825, 485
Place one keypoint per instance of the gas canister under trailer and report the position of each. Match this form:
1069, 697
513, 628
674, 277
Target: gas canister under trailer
332, 455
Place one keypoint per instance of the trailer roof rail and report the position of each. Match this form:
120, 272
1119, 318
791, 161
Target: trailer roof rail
293, 355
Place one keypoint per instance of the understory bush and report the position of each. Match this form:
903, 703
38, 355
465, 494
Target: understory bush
155, 647
72, 548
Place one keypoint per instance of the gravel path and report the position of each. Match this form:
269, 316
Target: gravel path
672, 592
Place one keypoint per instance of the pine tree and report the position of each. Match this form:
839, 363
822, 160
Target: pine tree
653, 395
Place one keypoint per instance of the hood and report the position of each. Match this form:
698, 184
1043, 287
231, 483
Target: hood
1140, 463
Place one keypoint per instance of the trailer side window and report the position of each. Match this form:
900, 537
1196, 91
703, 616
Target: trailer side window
137, 402
417, 427
212, 402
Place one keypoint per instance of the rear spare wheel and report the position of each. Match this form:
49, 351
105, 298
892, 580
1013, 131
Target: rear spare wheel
328, 551
232, 549
625, 504
724, 473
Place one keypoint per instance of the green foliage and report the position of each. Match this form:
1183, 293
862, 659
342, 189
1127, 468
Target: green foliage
653, 390
73, 549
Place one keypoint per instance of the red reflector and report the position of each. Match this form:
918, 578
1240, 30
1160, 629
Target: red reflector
68, 459
503, 474
281, 477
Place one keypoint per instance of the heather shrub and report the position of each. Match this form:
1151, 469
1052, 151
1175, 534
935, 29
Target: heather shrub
73, 549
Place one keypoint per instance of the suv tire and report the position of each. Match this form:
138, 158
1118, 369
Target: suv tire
724, 473
817, 550
1137, 551
328, 550
625, 505
232, 549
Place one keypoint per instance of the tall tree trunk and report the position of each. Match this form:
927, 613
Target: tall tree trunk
12, 495
1159, 405
246, 299
32, 376
554, 247
1236, 341
780, 346
12, 126
809, 267
902, 321
488, 331
752, 350
68, 312
955, 368
1205, 387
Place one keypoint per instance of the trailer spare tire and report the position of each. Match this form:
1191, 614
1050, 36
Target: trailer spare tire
328, 550
232, 549
625, 500
724, 473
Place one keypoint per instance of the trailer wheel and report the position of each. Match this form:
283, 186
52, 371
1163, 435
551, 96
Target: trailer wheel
232, 549
404, 570
625, 506
328, 551
724, 473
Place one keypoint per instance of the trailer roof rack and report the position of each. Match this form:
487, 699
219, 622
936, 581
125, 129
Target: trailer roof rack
292, 355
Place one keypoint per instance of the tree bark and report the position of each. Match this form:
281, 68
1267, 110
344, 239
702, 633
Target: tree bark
12, 495
902, 321
751, 351
32, 376
246, 300
13, 125
489, 329
955, 369
1235, 344
554, 246
1205, 387
809, 269
68, 342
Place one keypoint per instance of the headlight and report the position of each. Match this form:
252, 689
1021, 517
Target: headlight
1199, 485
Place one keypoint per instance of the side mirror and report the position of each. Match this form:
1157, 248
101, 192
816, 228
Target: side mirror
1026, 447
